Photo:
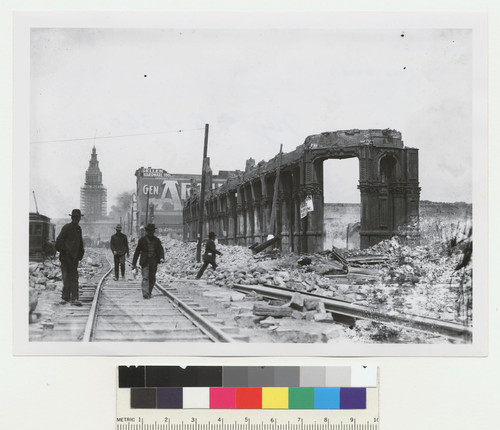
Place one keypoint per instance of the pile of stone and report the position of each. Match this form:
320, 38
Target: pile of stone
90, 266
398, 278
421, 280
315, 273
46, 277
180, 259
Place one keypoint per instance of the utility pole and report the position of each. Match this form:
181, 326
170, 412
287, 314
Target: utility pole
132, 216
204, 168
147, 209
272, 222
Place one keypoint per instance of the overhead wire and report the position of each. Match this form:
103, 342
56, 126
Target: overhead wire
116, 136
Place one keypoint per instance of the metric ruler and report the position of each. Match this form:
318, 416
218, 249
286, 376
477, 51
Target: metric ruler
248, 419
166, 406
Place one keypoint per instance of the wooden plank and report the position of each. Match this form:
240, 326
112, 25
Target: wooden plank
272, 311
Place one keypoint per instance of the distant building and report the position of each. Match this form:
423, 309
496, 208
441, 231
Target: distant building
93, 195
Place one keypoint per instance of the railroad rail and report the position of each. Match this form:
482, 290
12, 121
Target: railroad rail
341, 309
119, 313
116, 311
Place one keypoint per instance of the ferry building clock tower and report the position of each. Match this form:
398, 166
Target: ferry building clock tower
93, 195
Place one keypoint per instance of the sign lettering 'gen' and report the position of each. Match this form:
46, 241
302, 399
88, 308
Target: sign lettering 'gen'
165, 195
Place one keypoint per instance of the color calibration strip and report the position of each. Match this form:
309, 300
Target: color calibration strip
254, 387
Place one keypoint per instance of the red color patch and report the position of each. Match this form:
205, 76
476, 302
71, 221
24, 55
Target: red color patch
249, 398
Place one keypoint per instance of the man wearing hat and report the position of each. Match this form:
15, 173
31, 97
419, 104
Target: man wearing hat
152, 253
69, 243
119, 248
209, 255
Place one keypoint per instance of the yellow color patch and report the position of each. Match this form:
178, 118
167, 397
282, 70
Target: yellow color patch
274, 397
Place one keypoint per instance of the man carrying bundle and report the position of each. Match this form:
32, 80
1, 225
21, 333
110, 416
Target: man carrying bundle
152, 253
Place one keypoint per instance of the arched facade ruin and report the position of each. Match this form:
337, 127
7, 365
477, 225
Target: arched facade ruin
239, 211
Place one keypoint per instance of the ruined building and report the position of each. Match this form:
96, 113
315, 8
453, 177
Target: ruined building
93, 195
284, 196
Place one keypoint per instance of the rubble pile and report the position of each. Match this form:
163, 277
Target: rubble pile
180, 259
46, 277
40, 274
391, 277
238, 265
421, 280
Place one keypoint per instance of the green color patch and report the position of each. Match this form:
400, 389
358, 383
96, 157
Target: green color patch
300, 398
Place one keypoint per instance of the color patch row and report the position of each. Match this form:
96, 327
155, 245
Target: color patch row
246, 376
248, 398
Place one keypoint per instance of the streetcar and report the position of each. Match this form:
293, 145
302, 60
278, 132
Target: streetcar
42, 237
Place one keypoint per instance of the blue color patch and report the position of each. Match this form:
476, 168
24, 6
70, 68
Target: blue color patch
326, 398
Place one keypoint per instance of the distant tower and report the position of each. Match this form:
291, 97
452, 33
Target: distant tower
93, 195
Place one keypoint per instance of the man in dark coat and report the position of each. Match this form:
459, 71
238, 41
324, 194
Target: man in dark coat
209, 255
69, 243
152, 253
119, 248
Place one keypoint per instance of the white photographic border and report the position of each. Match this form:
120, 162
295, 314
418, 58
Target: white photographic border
24, 21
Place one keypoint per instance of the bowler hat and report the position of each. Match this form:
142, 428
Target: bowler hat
211, 235
76, 212
118, 227
150, 227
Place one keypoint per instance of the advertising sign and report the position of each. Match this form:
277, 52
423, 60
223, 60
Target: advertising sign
165, 194
161, 195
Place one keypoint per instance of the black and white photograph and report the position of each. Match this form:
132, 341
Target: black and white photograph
251, 184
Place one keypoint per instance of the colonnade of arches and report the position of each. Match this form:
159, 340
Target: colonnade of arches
241, 211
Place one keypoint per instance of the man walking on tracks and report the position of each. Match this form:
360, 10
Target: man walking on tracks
209, 255
69, 243
152, 253
119, 247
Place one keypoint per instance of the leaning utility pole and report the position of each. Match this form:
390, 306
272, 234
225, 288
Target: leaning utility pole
273, 235
204, 169
272, 223
132, 216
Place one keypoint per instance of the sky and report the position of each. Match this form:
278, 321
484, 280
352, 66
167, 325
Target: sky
142, 97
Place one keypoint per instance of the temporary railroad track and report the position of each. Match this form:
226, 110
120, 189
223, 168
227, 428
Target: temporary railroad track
120, 313
116, 311
341, 309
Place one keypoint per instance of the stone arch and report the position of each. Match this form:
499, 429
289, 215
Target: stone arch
388, 168
388, 185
